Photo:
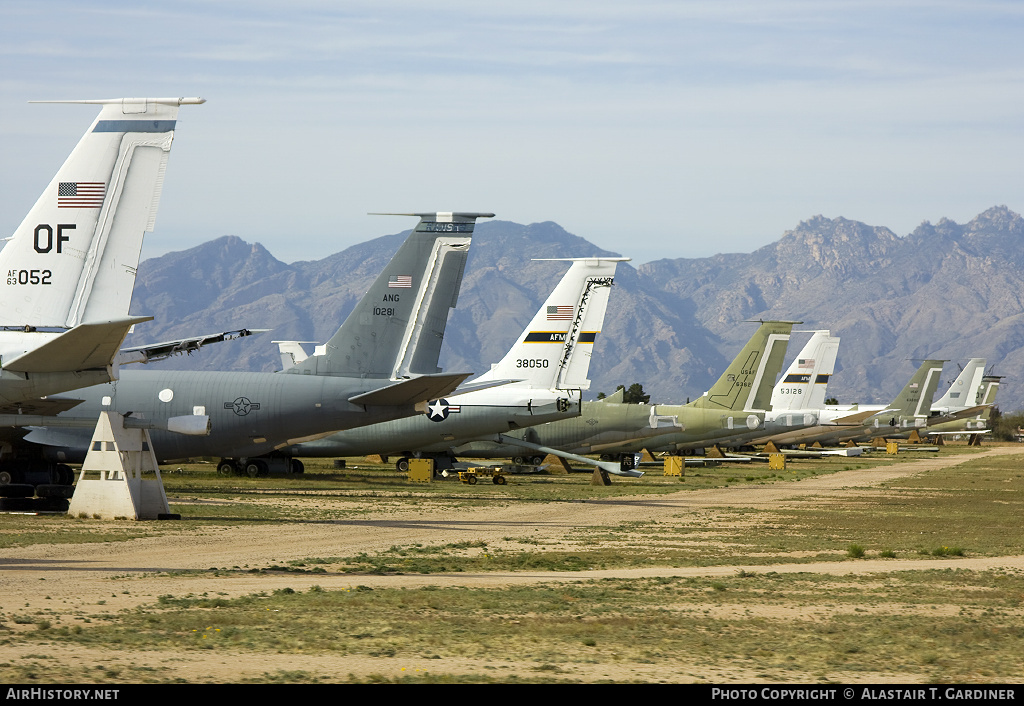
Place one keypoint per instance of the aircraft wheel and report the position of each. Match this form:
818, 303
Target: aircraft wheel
255, 469
537, 460
226, 468
297, 466
518, 460
6, 477
65, 476
402, 465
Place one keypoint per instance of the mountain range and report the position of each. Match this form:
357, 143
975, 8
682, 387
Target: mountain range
946, 290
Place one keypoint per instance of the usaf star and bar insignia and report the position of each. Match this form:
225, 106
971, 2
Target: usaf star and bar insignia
438, 410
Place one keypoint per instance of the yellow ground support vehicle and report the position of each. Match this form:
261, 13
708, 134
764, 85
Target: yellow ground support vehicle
471, 475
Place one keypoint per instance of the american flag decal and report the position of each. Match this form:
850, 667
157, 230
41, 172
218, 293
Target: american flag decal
805, 363
81, 194
560, 313
400, 282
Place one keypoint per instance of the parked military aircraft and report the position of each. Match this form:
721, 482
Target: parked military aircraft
909, 410
70, 266
799, 397
964, 397
736, 402
362, 377
975, 423
549, 360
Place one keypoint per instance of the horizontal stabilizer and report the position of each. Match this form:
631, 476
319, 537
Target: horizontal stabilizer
84, 347
474, 386
190, 424
45, 406
606, 466
858, 418
419, 389
159, 351
966, 413
851, 451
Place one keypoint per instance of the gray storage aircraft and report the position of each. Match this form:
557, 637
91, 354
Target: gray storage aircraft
364, 376
549, 361
70, 266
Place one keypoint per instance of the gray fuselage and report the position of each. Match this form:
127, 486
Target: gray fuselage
250, 413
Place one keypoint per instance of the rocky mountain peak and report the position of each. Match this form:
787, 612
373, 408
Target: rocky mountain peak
946, 291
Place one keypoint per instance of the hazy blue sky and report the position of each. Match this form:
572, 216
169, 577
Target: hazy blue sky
654, 129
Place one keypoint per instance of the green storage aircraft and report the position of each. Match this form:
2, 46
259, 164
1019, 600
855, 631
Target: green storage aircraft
735, 404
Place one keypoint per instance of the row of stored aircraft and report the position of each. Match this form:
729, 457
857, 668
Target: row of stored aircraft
375, 387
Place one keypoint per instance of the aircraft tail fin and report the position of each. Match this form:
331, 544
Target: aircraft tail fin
965, 389
747, 382
915, 399
555, 349
803, 386
989, 388
617, 397
291, 352
74, 257
987, 394
396, 329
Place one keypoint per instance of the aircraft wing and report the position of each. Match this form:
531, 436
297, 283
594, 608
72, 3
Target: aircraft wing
159, 351
86, 346
418, 389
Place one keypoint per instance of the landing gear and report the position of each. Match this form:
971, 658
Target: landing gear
442, 462
255, 469
35, 471
259, 467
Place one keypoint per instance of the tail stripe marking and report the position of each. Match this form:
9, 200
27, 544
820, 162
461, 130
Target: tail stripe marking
135, 126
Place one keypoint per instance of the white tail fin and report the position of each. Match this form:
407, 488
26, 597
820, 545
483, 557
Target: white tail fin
965, 389
555, 349
74, 257
803, 385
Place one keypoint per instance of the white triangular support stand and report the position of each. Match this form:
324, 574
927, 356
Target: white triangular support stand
121, 456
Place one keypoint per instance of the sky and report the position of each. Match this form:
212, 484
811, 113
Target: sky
655, 129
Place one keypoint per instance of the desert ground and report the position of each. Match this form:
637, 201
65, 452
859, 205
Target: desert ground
107, 578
